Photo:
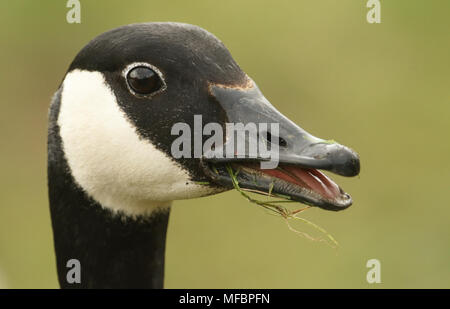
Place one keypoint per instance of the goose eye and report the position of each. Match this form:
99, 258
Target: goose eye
144, 80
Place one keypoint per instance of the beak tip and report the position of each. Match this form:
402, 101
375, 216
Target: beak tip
345, 161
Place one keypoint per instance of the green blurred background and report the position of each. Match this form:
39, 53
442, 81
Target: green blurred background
382, 89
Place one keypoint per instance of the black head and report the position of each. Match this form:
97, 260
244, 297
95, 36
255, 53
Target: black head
161, 74
185, 60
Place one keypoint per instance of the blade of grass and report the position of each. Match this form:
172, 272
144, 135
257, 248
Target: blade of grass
282, 211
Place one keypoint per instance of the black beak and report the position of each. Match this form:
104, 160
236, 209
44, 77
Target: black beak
299, 151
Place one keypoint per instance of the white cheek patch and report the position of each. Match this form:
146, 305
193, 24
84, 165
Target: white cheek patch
108, 159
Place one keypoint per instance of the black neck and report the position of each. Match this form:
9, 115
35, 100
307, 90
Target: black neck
115, 251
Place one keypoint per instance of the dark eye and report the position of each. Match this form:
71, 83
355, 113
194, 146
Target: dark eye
144, 80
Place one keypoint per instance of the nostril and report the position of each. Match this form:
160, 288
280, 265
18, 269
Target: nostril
281, 141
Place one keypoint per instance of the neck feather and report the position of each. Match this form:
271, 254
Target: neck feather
114, 250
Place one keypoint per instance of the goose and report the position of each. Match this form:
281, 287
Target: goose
112, 177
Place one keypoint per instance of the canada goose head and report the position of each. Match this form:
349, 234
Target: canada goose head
115, 160
125, 91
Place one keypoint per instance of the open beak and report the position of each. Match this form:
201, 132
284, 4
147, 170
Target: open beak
300, 155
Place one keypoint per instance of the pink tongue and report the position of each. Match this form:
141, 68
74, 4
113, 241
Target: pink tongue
316, 180
311, 179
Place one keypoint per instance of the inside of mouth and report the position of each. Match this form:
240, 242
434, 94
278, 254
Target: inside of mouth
308, 178
282, 211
